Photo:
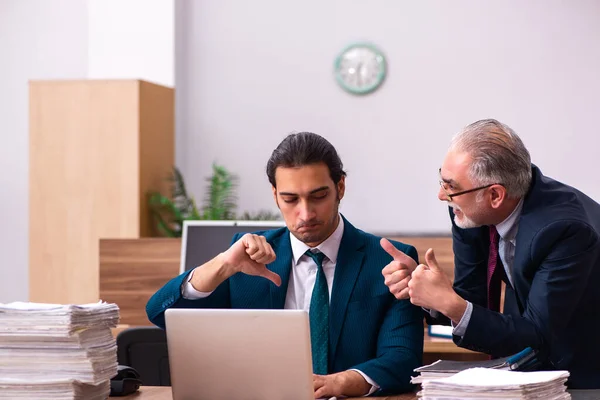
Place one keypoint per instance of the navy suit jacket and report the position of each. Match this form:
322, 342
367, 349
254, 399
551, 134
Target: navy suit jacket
368, 328
554, 305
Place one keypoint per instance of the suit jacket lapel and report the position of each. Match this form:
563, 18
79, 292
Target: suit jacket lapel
520, 261
348, 266
281, 266
524, 238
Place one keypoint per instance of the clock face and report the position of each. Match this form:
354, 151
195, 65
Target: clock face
360, 68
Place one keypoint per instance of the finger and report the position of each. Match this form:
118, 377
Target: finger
415, 300
404, 294
270, 275
269, 252
250, 244
402, 283
396, 266
321, 393
421, 268
413, 293
264, 255
412, 283
399, 291
390, 268
396, 254
265, 247
399, 285
431, 261
398, 276
318, 381
260, 254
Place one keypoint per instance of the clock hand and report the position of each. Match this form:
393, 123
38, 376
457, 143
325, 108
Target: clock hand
359, 75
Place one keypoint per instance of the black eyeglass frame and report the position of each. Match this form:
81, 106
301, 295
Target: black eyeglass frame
450, 196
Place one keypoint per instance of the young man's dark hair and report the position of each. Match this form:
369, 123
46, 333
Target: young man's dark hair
305, 148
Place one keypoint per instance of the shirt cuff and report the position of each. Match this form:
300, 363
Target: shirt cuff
461, 328
189, 292
374, 386
433, 313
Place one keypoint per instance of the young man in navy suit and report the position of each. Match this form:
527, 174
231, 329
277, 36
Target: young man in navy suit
363, 340
511, 223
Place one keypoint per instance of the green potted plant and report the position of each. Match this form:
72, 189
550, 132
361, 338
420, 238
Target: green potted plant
220, 203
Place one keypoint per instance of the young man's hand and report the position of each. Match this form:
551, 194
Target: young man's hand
346, 383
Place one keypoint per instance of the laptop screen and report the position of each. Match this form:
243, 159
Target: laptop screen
203, 240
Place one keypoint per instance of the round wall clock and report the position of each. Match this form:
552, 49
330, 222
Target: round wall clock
360, 68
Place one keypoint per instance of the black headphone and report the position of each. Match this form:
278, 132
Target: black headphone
127, 381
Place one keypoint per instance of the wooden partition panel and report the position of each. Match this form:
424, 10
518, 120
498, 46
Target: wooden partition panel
96, 148
131, 270
157, 154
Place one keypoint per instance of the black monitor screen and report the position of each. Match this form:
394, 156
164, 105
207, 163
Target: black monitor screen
204, 240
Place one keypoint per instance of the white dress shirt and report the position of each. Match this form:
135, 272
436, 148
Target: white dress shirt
507, 230
302, 278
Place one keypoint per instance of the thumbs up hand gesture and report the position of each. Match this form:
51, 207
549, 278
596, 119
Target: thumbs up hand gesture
397, 273
429, 287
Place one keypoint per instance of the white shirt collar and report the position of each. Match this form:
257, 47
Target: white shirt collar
329, 247
507, 229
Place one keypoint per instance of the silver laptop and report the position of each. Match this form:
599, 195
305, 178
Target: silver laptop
239, 354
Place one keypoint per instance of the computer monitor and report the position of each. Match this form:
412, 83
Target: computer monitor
203, 240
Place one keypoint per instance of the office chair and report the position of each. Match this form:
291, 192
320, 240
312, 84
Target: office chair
145, 350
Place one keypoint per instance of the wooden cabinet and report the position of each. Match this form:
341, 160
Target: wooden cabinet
96, 149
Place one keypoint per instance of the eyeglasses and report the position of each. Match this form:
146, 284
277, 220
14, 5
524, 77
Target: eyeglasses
450, 196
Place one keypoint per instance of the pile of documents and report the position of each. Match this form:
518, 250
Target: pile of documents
447, 368
51, 351
523, 361
488, 383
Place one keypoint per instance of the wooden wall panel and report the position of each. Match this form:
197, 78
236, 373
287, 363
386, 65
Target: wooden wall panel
157, 147
84, 178
132, 270
82, 136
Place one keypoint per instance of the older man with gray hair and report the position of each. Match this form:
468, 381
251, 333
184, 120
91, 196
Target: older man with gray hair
512, 224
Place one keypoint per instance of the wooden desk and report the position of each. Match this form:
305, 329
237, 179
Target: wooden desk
164, 393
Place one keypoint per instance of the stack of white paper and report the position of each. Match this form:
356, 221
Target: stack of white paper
446, 368
53, 389
487, 384
57, 351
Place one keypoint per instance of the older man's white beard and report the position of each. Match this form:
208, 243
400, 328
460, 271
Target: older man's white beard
463, 221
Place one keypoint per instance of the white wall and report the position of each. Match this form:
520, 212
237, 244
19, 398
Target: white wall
248, 73
65, 39
132, 39
39, 39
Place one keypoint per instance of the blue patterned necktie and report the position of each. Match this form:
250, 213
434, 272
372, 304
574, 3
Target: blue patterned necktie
319, 317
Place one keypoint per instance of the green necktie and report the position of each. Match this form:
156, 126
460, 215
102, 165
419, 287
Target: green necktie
319, 317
